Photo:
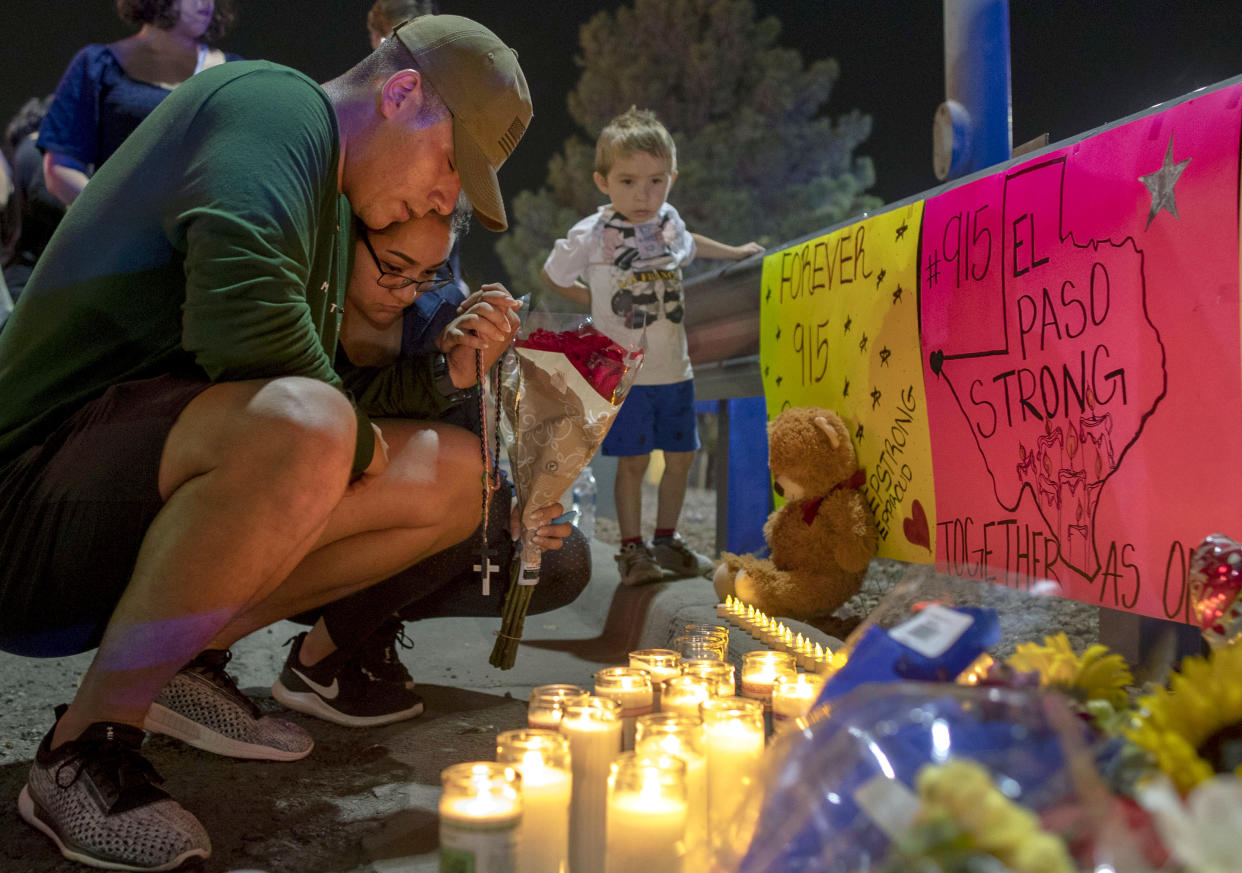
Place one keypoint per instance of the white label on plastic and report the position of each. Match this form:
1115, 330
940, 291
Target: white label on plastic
889, 804
933, 630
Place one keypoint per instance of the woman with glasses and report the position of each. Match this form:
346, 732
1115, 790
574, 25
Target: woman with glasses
403, 314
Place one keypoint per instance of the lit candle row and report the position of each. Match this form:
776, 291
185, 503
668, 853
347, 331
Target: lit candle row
809, 656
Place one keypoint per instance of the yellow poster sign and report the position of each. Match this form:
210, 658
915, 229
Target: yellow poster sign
839, 328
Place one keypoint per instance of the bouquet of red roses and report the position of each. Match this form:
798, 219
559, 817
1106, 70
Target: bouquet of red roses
561, 387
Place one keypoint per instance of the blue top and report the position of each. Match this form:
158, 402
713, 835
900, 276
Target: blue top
96, 107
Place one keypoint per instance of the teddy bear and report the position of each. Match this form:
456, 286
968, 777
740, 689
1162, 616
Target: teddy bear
824, 536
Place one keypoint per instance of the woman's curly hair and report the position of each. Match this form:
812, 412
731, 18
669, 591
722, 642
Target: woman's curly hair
163, 13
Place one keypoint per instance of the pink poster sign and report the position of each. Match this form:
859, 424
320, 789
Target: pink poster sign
1080, 344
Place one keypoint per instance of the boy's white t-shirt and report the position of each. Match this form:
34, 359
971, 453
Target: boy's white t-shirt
634, 273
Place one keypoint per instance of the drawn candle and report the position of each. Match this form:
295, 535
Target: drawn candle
547, 702
683, 694
593, 729
733, 737
632, 689
542, 759
646, 814
792, 697
759, 671
669, 733
660, 664
480, 809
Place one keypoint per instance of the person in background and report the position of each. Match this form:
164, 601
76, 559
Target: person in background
34, 213
384, 15
394, 324
108, 90
630, 254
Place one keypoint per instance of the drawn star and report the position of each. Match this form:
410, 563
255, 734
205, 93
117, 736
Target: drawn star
766, 368
845, 392
885, 354
858, 433
779, 379
848, 322
879, 277
897, 295
768, 296
875, 397
1160, 184
862, 343
778, 332
901, 231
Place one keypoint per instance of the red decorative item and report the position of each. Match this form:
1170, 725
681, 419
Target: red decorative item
1216, 589
601, 361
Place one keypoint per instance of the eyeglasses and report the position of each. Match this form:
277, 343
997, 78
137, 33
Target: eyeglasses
394, 281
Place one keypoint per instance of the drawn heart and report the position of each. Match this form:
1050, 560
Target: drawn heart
937, 361
916, 527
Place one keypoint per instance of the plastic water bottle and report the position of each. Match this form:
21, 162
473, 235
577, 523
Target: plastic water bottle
583, 501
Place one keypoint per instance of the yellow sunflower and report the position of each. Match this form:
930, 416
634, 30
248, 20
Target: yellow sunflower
1182, 725
1096, 674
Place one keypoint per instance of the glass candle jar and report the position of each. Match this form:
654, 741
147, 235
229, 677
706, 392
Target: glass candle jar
593, 728
632, 689
759, 671
548, 702
719, 672
646, 814
660, 664
733, 737
792, 697
480, 810
541, 757
702, 641
683, 694
681, 736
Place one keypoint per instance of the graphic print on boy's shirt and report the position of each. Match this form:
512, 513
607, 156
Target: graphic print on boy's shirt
645, 271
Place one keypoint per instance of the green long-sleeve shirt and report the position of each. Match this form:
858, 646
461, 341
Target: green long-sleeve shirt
214, 241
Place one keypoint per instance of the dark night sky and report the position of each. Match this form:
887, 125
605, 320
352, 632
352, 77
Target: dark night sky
1075, 65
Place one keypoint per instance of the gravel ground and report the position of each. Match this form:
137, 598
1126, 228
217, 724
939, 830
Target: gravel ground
892, 587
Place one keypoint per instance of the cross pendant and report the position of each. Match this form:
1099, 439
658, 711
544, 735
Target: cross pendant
485, 568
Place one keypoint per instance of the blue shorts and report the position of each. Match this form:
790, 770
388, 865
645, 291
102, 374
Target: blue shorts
655, 417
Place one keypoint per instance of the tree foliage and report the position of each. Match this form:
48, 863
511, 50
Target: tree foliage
758, 156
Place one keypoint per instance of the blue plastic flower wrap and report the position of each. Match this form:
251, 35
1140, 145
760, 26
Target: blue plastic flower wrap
841, 791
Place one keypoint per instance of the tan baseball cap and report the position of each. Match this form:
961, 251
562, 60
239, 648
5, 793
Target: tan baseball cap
479, 79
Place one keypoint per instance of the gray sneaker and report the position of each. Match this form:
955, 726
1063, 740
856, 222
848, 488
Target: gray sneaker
202, 706
673, 554
638, 565
96, 798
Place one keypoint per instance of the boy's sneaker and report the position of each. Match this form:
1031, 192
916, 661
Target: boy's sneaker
340, 691
378, 657
673, 554
637, 564
96, 798
202, 706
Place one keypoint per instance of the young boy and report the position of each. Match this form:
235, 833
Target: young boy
630, 254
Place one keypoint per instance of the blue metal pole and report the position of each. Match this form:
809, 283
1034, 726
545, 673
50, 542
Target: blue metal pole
973, 127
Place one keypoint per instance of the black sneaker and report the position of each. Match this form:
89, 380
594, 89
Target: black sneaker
339, 691
378, 657
96, 798
202, 706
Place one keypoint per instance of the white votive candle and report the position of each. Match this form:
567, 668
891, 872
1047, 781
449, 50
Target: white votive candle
683, 694
542, 759
718, 672
547, 702
759, 671
646, 815
480, 810
631, 689
792, 697
593, 729
660, 664
667, 733
733, 737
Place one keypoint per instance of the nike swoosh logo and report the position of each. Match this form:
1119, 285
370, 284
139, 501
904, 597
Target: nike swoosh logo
327, 692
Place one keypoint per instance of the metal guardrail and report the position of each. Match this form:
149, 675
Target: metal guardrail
722, 330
